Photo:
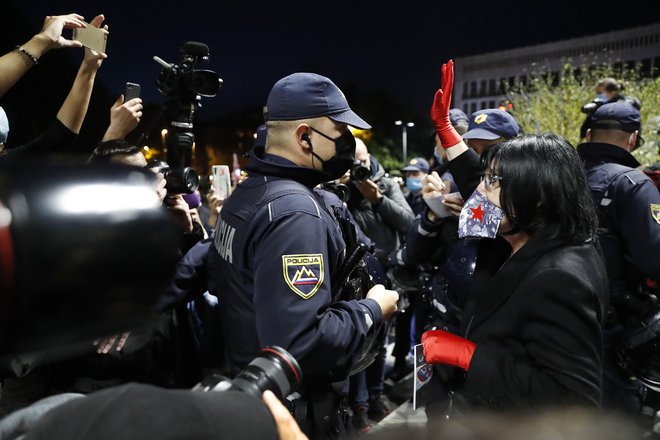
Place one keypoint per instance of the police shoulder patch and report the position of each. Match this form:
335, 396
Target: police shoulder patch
303, 273
655, 212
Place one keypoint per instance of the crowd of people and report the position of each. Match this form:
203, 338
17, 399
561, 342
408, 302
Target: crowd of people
538, 263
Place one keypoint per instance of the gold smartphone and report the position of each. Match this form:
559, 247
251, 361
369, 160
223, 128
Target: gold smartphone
91, 37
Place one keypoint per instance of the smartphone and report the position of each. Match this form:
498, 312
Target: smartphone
131, 91
221, 180
91, 37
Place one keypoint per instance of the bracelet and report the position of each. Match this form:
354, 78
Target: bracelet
22, 50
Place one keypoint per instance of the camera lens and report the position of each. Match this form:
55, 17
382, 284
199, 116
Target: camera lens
359, 172
273, 369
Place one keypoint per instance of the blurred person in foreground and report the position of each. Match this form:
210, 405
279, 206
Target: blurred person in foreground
531, 332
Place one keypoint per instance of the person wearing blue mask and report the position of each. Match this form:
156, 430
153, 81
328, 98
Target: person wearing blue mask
415, 171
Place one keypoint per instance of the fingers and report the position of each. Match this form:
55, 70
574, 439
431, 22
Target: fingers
97, 21
287, 428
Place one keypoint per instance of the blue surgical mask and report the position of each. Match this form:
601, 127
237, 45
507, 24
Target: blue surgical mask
414, 183
602, 98
479, 217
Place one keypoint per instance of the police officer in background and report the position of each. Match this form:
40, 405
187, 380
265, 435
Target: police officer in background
628, 206
278, 249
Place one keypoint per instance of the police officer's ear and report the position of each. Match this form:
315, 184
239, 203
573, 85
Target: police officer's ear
632, 140
588, 135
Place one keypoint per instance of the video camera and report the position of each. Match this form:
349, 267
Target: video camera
184, 85
272, 369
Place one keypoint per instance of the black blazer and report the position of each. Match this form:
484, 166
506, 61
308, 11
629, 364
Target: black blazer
536, 319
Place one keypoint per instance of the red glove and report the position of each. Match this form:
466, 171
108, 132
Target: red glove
441, 347
440, 109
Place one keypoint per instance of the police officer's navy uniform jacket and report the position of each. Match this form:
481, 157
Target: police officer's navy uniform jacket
632, 203
628, 205
275, 253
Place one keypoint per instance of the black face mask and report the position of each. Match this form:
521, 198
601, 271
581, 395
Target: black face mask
337, 165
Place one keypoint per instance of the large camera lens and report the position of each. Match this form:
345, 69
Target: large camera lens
273, 369
359, 172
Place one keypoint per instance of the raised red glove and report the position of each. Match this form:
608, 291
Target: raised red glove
440, 109
441, 347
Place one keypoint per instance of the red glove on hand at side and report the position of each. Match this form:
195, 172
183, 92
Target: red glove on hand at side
441, 347
440, 109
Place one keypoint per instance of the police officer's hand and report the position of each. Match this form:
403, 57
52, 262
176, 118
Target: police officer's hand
369, 190
287, 428
386, 299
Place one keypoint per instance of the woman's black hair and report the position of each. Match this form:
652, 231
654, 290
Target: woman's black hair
543, 185
106, 150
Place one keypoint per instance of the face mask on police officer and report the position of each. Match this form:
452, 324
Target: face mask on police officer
479, 217
337, 165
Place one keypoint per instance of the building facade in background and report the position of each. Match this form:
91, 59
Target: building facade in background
482, 79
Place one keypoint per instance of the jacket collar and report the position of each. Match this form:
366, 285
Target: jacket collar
265, 164
492, 294
595, 153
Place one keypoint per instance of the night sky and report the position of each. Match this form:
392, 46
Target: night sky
370, 46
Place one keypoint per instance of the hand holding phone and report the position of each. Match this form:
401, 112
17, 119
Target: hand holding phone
221, 181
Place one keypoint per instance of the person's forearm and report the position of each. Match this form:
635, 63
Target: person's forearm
14, 65
73, 110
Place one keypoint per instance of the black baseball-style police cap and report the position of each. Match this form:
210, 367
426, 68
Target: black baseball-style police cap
305, 95
616, 116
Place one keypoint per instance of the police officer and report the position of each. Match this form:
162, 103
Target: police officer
278, 250
628, 206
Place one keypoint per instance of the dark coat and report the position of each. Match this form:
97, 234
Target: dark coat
537, 323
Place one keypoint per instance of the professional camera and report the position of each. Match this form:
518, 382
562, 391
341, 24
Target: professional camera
359, 172
184, 85
273, 369
592, 106
187, 179
109, 255
339, 189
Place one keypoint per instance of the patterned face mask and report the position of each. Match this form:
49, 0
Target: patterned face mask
479, 217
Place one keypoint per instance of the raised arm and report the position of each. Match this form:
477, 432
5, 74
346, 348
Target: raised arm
73, 110
15, 64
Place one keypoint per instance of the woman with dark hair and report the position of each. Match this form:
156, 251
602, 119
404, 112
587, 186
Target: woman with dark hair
530, 333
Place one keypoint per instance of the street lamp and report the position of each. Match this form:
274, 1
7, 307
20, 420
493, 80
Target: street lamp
404, 137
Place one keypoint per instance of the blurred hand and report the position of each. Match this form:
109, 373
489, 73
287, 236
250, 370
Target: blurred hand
161, 191
178, 208
454, 203
287, 428
433, 186
124, 118
386, 299
104, 345
215, 206
51, 32
369, 190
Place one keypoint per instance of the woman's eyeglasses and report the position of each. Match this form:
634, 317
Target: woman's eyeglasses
490, 179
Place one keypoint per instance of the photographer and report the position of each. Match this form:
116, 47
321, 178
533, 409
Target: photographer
608, 90
377, 203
